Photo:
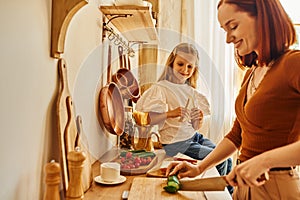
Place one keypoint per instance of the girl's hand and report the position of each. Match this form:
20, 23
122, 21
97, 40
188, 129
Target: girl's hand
178, 112
182, 169
196, 116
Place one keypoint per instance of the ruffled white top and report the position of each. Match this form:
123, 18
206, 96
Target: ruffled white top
164, 96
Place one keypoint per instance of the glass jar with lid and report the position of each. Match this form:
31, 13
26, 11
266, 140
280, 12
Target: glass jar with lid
128, 134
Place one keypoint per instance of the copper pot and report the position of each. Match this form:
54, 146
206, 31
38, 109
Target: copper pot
125, 80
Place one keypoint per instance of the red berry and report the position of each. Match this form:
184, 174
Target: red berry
137, 165
137, 160
128, 154
123, 160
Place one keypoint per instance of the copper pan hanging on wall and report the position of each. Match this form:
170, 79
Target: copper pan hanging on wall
111, 104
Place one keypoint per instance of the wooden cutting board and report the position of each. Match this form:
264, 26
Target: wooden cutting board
62, 118
67, 129
152, 189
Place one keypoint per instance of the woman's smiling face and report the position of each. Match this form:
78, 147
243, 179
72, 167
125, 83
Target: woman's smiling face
240, 28
183, 66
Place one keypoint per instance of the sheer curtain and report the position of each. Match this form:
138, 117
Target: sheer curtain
218, 74
196, 21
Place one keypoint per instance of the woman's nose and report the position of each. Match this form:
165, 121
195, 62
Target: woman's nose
229, 38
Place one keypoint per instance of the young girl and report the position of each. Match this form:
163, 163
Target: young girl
178, 108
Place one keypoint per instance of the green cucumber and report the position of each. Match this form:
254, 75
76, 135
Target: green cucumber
173, 178
170, 189
173, 184
137, 151
145, 154
134, 152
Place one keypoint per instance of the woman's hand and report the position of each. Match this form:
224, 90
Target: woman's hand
178, 112
248, 173
196, 116
182, 169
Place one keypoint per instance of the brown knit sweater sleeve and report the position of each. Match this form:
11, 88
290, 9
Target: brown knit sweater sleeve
235, 134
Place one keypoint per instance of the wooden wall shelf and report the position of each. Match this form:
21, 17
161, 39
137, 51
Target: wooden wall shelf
62, 13
138, 26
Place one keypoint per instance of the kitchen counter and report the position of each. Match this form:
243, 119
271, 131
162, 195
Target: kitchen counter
107, 192
154, 191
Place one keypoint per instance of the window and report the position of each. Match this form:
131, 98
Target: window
297, 44
289, 6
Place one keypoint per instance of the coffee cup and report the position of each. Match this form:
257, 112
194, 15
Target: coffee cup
110, 171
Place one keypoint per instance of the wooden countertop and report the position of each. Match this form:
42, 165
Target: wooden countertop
107, 192
100, 191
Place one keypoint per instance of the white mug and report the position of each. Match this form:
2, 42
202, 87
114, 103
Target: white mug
110, 171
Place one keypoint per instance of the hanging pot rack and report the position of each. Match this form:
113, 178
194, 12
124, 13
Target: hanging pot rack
118, 40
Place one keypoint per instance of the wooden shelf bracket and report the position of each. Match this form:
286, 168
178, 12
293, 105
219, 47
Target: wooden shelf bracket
62, 13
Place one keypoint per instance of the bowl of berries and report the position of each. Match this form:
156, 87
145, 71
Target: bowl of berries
134, 162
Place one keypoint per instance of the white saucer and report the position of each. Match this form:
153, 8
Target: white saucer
98, 179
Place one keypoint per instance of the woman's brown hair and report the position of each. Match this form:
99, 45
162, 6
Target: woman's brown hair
168, 71
276, 31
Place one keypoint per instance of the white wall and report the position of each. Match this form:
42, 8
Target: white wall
28, 87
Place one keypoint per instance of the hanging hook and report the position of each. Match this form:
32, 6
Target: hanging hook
118, 40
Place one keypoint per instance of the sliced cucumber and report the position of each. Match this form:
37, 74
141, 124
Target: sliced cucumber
173, 184
173, 178
170, 189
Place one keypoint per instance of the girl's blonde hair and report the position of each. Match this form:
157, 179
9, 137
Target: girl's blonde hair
168, 71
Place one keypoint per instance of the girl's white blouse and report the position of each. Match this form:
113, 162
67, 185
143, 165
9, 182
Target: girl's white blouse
164, 96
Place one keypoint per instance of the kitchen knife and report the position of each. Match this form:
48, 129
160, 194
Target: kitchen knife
210, 184
204, 184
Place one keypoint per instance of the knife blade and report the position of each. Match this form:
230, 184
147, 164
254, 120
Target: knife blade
204, 184
210, 184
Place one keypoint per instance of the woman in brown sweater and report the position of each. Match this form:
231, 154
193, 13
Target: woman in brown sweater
267, 106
